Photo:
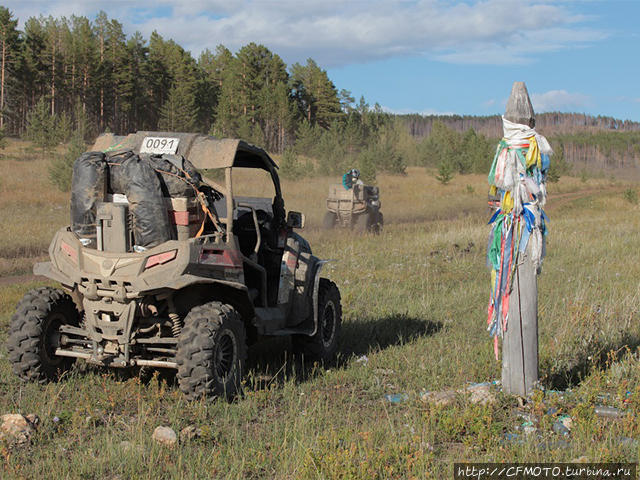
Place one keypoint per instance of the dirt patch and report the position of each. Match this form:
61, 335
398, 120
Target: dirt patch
562, 199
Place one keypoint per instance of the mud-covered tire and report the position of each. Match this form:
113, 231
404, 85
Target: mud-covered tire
324, 344
377, 228
211, 352
34, 335
329, 220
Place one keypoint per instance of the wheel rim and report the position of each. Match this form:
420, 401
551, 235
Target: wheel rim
50, 339
328, 323
225, 354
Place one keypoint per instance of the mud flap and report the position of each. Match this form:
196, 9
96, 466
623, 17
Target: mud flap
316, 288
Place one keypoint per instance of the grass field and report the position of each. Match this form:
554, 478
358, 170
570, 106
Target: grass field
414, 303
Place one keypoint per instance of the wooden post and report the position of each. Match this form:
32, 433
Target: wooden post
520, 341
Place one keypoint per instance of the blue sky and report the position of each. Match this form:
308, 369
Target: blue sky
423, 56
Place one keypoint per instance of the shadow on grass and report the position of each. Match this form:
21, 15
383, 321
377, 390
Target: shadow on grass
371, 334
273, 360
597, 355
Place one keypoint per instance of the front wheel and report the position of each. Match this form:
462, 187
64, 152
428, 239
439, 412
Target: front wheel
323, 344
362, 222
329, 220
34, 334
211, 352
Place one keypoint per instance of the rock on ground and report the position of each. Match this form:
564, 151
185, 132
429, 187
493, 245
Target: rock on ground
16, 429
445, 397
165, 436
480, 393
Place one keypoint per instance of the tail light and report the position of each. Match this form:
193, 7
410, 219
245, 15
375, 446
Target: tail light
160, 259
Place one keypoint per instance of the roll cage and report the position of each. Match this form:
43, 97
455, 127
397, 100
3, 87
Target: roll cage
206, 152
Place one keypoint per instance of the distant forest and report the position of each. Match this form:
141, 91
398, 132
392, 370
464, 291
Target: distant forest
584, 141
68, 79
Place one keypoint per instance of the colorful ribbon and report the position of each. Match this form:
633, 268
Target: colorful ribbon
517, 177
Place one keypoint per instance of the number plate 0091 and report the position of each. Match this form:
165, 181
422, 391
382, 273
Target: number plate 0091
159, 145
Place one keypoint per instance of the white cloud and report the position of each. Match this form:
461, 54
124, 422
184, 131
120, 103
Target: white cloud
338, 32
559, 100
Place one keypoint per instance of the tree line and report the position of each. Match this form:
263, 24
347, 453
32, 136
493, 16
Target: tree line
68, 79
548, 123
123, 84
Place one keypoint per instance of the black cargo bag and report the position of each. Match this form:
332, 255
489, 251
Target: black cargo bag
88, 187
179, 178
135, 177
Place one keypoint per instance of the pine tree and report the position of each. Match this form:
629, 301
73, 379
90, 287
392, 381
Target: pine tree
8, 51
254, 101
42, 127
158, 79
116, 55
53, 38
135, 101
307, 138
61, 167
315, 94
290, 165
85, 66
367, 166
346, 101
213, 67
31, 75
445, 172
3, 140
277, 115
179, 112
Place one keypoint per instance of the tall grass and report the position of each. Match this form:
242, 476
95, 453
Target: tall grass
414, 301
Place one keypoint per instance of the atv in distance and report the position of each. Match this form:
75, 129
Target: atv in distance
164, 268
357, 208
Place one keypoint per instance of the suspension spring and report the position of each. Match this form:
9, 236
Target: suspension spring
176, 322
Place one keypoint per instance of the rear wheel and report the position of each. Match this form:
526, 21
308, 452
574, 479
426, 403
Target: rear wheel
377, 228
34, 334
211, 352
324, 344
329, 220
362, 222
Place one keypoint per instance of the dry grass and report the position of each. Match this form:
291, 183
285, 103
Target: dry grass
31, 210
414, 302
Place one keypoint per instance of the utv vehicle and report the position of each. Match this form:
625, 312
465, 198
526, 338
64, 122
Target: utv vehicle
357, 208
164, 268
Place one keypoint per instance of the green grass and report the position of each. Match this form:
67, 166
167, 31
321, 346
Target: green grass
414, 302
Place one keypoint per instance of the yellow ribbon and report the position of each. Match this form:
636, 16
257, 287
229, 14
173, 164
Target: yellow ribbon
533, 154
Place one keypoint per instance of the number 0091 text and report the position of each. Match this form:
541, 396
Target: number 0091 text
159, 145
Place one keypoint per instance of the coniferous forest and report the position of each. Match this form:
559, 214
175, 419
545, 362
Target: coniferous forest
68, 79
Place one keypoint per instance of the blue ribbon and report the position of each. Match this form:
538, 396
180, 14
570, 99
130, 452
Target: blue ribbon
495, 215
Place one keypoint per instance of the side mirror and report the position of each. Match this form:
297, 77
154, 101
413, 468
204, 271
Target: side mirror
295, 220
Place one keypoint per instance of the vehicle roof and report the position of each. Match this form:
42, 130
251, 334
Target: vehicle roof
204, 151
